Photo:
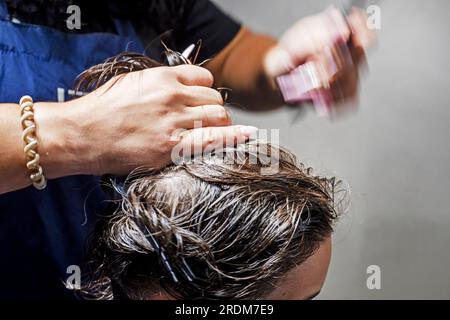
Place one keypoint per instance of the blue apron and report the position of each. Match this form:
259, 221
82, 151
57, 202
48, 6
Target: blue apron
42, 233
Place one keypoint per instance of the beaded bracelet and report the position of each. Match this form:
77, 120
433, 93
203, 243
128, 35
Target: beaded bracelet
29, 137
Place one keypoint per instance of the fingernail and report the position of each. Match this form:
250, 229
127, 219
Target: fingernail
247, 131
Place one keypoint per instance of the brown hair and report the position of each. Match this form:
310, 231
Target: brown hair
211, 227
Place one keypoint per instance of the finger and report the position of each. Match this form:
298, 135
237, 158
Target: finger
327, 67
209, 139
358, 56
340, 61
362, 36
192, 75
345, 87
336, 25
332, 63
279, 61
205, 116
325, 31
198, 96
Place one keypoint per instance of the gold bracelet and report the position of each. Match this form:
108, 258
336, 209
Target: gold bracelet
29, 137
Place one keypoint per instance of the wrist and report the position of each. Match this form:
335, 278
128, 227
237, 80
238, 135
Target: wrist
63, 145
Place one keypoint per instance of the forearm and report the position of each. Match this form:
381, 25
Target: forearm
56, 137
12, 159
240, 67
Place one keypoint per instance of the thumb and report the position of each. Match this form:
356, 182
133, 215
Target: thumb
278, 61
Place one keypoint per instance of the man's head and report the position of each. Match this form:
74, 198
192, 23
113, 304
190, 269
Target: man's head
217, 227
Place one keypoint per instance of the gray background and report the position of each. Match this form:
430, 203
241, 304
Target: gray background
393, 152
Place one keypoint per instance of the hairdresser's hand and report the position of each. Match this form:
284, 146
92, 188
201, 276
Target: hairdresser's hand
308, 39
130, 122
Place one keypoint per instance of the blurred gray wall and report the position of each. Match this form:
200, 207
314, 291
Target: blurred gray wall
394, 151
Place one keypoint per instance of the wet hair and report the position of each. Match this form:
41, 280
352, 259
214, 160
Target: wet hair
223, 225
212, 227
